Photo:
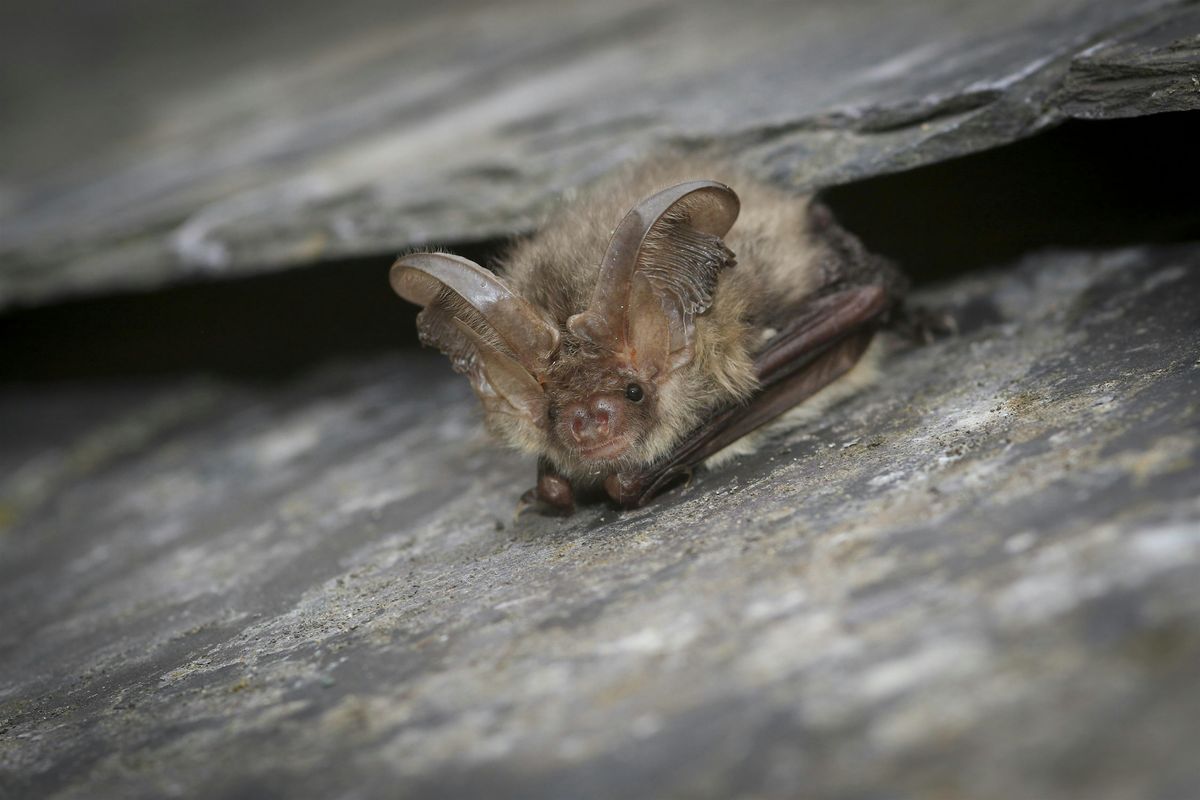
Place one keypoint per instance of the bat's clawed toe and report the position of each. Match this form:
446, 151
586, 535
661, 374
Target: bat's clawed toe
924, 325
532, 501
528, 499
689, 475
552, 496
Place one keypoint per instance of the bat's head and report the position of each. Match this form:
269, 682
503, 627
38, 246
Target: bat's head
601, 408
599, 391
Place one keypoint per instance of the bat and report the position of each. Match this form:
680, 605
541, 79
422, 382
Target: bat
626, 357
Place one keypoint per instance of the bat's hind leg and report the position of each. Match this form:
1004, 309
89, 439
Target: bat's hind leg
552, 495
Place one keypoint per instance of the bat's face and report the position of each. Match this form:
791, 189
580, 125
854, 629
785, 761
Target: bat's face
591, 394
600, 410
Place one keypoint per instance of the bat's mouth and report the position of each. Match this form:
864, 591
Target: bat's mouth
605, 451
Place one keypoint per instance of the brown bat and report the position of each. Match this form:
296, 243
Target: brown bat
626, 357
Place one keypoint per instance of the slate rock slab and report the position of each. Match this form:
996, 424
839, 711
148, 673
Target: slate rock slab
980, 578
149, 145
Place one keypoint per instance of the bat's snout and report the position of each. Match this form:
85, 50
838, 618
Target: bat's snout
597, 426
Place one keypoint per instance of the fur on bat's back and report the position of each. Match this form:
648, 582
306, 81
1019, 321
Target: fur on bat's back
777, 262
556, 268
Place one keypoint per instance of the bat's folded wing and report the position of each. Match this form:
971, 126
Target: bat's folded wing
825, 340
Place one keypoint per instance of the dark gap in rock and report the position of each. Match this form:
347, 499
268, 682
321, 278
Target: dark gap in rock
1081, 185
1084, 184
263, 327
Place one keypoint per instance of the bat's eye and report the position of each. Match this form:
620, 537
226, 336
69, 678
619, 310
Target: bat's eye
634, 393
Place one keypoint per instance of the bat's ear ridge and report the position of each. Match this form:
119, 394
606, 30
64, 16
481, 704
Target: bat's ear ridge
663, 260
493, 336
480, 300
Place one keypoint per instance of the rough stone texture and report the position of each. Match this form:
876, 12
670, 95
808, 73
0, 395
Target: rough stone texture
1152, 67
980, 578
204, 144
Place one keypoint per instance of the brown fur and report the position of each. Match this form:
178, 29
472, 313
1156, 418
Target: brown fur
556, 269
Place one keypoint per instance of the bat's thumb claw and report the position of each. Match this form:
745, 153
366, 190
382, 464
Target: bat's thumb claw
554, 504
688, 475
527, 500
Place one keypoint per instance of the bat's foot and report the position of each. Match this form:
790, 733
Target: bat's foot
553, 496
925, 326
625, 490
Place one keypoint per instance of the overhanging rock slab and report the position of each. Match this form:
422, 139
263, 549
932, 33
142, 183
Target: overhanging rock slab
292, 133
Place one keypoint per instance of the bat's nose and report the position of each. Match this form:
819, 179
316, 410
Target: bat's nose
593, 422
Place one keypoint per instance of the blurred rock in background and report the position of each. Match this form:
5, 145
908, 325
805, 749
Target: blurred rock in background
254, 543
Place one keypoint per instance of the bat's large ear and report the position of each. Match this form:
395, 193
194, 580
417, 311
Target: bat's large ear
497, 339
659, 272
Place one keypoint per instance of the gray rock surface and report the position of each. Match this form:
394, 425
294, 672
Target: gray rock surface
980, 578
187, 140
